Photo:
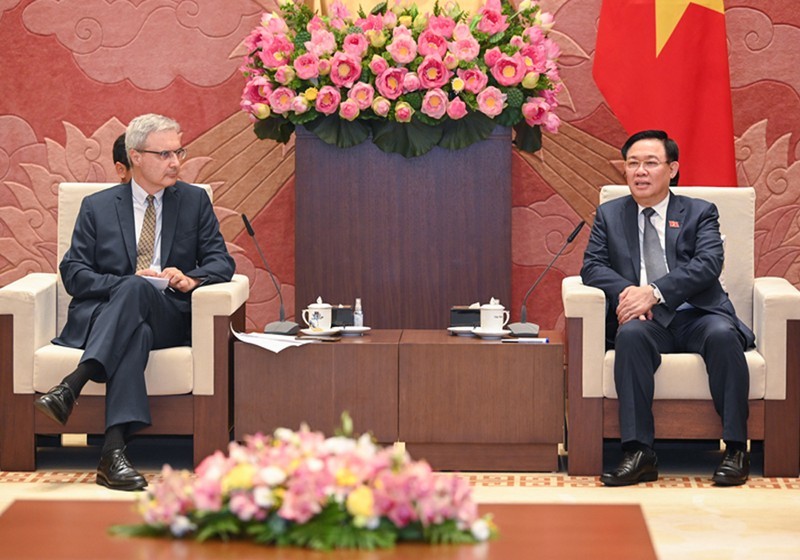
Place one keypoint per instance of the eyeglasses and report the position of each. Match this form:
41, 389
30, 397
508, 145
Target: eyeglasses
648, 164
166, 155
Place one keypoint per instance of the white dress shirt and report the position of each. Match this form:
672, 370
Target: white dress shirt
139, 208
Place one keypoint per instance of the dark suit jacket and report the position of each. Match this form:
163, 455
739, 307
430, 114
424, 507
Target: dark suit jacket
103, 250
693, 249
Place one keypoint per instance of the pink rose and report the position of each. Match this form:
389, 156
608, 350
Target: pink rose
362, 93
327, 101
493, 20
456, 109
390, 82
433, 73
284, 75
461, 31
465, 49
403, 48
355, 44
307, 66
403, 112
281, 99
434, 104
277, 52
378, 64
551, 122
373, 22
381, 106
345, 70
322, 42
474, 79
492, 56
534, 110
431, 43
410, 82
491, 101
274, 24
509, 70
441, 25
257, 90
339, 10
300, 105
450, 61
315, 24
348, 110
324, 67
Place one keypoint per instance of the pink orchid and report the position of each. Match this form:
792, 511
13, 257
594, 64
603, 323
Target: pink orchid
491, 101
434, 104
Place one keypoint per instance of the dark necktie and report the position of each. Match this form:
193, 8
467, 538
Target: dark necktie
654, 264
147, 238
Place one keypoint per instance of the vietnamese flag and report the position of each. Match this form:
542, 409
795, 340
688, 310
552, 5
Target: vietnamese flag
663, 64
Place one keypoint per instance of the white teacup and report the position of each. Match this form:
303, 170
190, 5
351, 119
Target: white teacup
493, 316
318, 315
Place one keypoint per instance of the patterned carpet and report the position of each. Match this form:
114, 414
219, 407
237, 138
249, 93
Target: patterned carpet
477, 480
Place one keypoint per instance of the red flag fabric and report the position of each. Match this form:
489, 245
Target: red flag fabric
663, 64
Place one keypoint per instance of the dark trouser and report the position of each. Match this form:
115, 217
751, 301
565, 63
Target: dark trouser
136, 319
639, 345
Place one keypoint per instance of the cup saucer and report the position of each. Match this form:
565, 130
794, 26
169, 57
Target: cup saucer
351, 330
490, 335
321, 332
461, 331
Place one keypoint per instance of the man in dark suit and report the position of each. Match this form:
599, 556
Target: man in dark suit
658, 257
151, 227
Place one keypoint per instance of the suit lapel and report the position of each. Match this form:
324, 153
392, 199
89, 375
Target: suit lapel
169, 221
124, 208
675, 217
630, 221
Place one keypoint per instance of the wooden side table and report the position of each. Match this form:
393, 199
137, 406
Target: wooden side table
315, 383
471, 404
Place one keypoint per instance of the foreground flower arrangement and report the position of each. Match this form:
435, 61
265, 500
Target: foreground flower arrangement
301, 489
408, 79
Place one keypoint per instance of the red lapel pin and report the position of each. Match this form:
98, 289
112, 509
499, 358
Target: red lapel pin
674, 224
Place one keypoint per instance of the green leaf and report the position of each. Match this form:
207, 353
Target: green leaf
274, 128
339, 132
447, 533
509, 117
407, 139
528, 139
141, 530
464, 132
306, 117
380, 8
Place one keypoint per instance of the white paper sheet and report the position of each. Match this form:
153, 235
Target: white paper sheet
272, 342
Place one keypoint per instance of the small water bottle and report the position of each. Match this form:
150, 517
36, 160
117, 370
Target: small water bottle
358, 314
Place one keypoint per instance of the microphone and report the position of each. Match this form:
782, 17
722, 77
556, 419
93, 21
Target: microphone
524, 329
276, 327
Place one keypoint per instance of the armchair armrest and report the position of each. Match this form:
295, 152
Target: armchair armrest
31, 300
207, 302
775, 301
589, 304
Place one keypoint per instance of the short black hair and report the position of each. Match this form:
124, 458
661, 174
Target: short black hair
670, 147
120, 154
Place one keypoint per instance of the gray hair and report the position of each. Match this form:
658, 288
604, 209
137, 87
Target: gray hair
143, 126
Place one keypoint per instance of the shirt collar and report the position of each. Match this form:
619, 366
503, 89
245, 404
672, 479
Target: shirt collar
660, 208
140, 195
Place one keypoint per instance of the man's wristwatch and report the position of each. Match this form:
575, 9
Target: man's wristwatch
657, 294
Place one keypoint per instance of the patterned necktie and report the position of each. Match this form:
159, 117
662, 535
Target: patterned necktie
147, 238
654, 264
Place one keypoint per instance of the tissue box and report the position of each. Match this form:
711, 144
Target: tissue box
465, 316
342, 316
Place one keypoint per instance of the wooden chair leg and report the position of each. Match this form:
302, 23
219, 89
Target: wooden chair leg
782, 418
585, 415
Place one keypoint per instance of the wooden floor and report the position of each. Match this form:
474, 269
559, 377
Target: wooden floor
37, 529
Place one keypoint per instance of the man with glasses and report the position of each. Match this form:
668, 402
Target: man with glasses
657, 257
153, 227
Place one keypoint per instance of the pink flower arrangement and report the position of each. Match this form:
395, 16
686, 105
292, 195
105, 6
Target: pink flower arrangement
406, 60
352, 490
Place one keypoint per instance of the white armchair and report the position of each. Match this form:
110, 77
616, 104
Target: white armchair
682, 407
189, 386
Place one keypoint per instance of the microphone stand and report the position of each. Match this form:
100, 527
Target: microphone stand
281, 326
523, 329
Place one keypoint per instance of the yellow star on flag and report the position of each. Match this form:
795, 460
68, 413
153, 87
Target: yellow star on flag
670, 12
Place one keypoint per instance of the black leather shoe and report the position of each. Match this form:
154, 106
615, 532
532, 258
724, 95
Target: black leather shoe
635, 467
733, 470
57, 403
117, 473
